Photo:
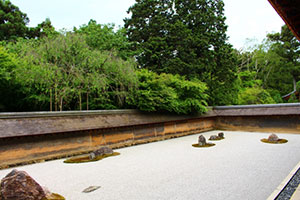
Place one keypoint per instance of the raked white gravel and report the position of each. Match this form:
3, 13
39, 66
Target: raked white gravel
240, 167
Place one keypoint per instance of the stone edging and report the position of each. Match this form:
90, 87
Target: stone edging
296, 194
283, 183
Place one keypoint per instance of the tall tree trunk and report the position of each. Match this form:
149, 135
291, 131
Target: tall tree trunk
80, 107
61, 104
267, 76
55, 98
87, 101
256, 69
50, 99
295, 84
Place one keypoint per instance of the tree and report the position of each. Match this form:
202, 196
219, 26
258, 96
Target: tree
104, 38
12, 21
13, 24
255, 95
251, 91
273, 63
169, 93
44, 29
188, 38
7, 87
63, 73
287, 48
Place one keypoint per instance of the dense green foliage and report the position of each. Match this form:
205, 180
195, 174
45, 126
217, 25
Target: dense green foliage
273, 66
103, 37
186, 38
13, 24
12, 21
255, 95
44, 29
171, 56
91, 67
9, 89
171, 93
287, 47
63, 71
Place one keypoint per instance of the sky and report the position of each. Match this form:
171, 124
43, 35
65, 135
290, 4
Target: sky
248, 20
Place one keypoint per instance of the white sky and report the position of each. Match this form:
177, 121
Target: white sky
251, 19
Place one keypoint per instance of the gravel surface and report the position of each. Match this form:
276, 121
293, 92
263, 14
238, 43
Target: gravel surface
238, 167
290, 188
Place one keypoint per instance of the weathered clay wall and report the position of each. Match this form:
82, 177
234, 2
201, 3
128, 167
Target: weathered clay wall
278, 118
25, 139
39, 123
30, 137
275, 124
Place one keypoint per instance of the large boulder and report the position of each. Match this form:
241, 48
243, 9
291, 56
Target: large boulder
273, 138
18, 185
100, 152
201, 140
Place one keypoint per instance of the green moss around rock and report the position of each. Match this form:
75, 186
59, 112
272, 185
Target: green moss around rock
206, 145
83, 159
217, 139
280, 141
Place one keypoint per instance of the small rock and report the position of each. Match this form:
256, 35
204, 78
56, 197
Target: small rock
214, 137
18, 185
100, 152
273, 138
91, 189
201, 140
221, 135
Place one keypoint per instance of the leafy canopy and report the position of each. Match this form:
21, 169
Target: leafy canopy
169, 93
12, 21
185, 37
273, 65
104, 38
64, 72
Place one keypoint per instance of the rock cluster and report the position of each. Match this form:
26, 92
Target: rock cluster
217, 137
201, 140
273, 138
18, 185
100, 152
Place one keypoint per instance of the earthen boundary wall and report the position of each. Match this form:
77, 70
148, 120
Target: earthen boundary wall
38, 136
